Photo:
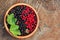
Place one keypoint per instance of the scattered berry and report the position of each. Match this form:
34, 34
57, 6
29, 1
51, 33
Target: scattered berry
27, 31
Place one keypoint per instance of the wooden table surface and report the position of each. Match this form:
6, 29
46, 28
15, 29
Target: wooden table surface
49, 16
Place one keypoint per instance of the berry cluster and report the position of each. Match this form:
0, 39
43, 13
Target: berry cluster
26, 19
28, 14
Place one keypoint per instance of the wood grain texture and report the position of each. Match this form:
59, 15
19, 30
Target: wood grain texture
49, 16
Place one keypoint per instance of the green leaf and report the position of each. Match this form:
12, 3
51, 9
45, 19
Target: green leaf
15, 32
10, 19
13, 28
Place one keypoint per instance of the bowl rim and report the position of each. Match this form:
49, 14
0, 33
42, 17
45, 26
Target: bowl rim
5, 25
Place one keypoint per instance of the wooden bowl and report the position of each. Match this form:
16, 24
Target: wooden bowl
6, 27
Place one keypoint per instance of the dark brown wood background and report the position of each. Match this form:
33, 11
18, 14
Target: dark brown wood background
49, 16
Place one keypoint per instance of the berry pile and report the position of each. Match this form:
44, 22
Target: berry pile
26, 19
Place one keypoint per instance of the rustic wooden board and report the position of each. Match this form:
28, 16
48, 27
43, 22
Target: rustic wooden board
49, 16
